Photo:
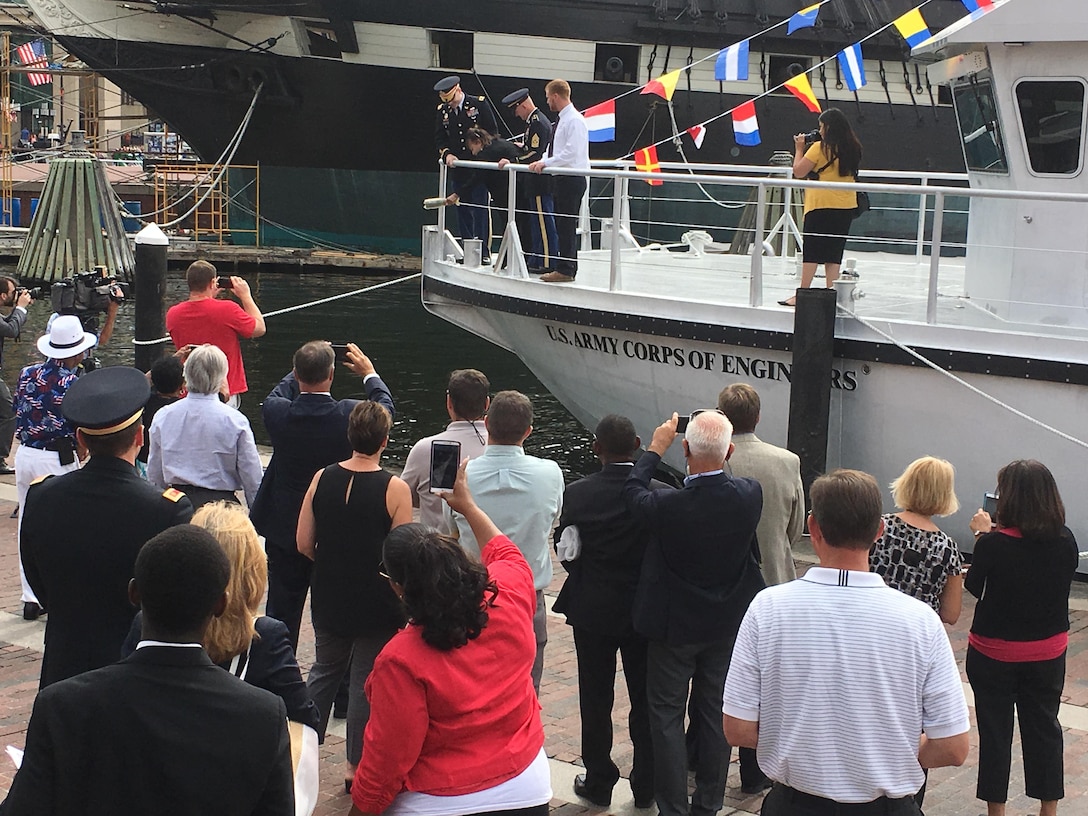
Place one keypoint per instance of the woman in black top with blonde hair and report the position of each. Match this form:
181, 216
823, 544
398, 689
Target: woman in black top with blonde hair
1021, 572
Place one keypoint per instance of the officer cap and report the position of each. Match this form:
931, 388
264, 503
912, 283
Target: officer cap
447, 84
512, 100
106, 400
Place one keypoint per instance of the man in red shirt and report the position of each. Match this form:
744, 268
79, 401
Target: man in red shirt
205, 319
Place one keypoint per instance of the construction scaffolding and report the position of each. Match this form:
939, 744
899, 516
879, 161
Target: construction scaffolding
7, 115
196, 200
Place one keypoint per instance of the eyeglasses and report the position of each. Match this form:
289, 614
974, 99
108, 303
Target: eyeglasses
698, 411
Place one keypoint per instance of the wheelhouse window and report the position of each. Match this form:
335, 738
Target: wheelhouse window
322, 41
980, 131
615, 63
452, 49
1052, 120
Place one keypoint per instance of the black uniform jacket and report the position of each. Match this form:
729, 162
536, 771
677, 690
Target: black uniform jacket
80, 536
163, 732
452, 124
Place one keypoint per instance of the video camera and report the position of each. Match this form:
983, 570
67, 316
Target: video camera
87, 294
35, 293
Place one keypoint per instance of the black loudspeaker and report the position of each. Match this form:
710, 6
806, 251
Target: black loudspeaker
614, 69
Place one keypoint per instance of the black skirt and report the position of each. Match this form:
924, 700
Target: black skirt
825, 235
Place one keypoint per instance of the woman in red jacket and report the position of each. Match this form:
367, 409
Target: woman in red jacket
455, 724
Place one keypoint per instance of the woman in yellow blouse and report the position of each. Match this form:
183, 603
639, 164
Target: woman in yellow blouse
828, 211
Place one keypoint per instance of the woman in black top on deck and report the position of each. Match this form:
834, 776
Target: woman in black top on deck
348, 510
1021, 572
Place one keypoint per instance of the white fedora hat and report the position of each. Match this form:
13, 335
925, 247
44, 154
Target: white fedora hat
66, 338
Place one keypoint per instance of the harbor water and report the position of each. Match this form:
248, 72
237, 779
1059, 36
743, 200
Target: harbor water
412, 350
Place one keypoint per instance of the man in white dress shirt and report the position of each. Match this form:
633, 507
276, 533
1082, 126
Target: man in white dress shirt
569, 148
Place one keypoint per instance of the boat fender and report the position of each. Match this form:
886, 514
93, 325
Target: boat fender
697, 241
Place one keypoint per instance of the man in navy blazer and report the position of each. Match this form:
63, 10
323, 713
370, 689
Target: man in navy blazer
164, 731
309, 431
698, 576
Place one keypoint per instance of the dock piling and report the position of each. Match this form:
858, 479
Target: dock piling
150, 292
810, 380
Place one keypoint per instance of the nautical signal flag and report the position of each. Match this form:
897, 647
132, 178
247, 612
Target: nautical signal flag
646, 161
805, 18
664, 85
745, 126
697, 132
978, 5
800, 87
912, 27
601, 121
853, 69
732, 63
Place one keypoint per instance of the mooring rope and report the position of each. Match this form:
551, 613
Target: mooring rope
308, 305
965, 384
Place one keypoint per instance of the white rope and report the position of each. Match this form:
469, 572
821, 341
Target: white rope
290, 309
968, 385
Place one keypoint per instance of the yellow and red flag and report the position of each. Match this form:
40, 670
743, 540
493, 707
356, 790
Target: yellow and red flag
646, 161
800, 87
664, 86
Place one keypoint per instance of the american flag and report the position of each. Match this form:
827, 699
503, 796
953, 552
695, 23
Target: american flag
32, 55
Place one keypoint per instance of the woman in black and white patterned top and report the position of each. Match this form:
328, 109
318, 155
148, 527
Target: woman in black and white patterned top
913, 555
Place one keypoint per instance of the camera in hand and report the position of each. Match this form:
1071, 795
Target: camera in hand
682, 423
224, 282
812, 137
340, 352
35, 293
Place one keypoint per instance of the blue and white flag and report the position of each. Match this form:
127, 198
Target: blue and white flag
732, 63
853, 68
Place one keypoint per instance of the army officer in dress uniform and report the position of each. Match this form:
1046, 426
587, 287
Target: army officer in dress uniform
82, 530
536, 207
457, 112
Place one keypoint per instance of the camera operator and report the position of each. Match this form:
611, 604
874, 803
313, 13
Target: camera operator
10, 325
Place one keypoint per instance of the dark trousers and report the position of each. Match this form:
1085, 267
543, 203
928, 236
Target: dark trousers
1035, 690
785, 801
536, 223
568, 201
473, 215
671, 672
7, 421
596, 695
751, 775
334, 656
288, 582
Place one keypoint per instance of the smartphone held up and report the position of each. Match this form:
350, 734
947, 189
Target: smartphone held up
445, 459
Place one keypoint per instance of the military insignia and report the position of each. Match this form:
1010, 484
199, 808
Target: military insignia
41, 479
535, 141
173, 495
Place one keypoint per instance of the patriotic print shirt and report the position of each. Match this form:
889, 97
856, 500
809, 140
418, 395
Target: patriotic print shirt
37, 403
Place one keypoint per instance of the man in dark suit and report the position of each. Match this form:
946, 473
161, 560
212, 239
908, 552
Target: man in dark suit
309, 431
164, 731
601, 547
700, 572
82, 530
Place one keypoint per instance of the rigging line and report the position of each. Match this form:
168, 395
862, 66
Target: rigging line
967, 385
308, 305
264, 46
678, 141
231, 147
226, 164
494, 109
781, 85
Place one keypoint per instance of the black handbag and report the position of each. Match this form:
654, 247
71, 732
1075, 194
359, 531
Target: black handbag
863, 204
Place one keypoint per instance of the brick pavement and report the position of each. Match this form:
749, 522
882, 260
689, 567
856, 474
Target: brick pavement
950, 792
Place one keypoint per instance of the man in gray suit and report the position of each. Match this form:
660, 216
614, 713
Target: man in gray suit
778, 471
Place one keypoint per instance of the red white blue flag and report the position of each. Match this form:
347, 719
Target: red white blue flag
32, 55
745, 126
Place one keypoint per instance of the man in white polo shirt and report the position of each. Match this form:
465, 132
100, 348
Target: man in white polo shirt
846, 688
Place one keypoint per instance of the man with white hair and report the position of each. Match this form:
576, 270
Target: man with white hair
200, 446
699, 574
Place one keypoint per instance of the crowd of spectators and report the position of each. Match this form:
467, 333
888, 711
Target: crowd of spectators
439, 625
